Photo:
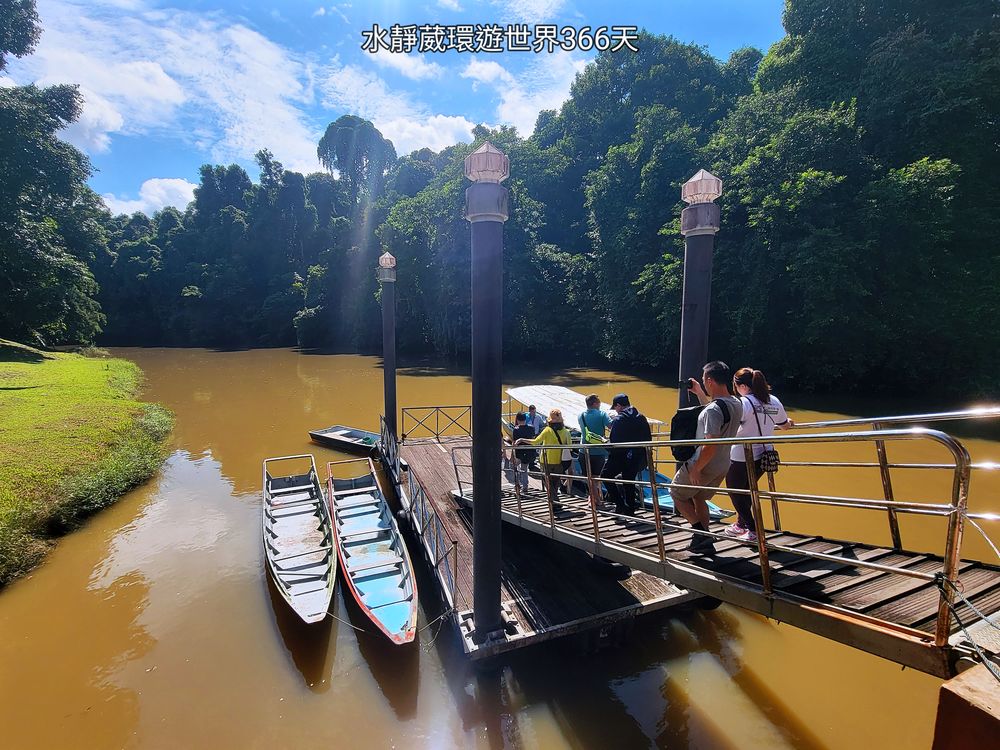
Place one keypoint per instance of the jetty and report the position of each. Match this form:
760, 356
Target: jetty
548, 590
922, 610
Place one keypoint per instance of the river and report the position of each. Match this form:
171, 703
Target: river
153, 627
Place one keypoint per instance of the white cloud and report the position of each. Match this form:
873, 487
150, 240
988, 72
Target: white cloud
91, 131
413, 66
487, 72
409, 125
531, 11
544, 84
6, 83
434, 131
154, 194
320, 11
197, 77
450, 4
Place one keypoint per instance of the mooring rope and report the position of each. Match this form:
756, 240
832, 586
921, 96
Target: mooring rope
345, 622
436, 619
985, 535
983, 658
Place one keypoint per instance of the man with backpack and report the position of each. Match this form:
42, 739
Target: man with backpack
719, 417
629, 427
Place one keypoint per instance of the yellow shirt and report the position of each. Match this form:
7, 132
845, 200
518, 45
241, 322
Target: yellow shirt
552, 457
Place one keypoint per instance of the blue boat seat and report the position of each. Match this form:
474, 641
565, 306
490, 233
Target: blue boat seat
384, 562
363, 532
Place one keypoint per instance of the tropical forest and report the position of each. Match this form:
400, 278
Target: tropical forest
860, 161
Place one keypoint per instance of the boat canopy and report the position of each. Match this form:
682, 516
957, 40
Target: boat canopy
548, 397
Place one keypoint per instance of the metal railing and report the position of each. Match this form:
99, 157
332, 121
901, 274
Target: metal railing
878, 423
440, 550
436, 422
955, 511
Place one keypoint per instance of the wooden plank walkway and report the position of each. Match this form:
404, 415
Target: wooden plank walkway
886, 613
551, 589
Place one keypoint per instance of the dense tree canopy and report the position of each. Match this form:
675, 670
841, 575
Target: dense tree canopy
861, 211
50, 221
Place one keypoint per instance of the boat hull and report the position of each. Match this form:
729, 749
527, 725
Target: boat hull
373, 557
297, 536
346, 439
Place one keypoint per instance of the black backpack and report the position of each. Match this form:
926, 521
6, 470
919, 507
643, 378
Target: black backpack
684, 426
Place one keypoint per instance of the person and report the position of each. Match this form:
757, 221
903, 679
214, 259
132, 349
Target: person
628, 427
710, 463
534, 420
524, 458
762, 414
593, 423
554, 460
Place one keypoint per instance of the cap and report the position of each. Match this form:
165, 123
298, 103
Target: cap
620, 400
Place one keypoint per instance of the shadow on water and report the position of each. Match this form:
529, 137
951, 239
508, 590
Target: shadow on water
311, 646
637, 695
394, 667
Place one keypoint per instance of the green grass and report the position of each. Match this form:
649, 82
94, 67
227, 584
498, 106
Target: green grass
73, 438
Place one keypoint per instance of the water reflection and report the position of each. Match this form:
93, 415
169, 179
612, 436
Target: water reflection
153, 625
312, 647
394, 668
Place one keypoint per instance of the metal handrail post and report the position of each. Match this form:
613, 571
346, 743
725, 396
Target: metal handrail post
515, 465
774, 501
656, 503
454, 573
548, 496
883, 469
585, 454
758, 519
953, 547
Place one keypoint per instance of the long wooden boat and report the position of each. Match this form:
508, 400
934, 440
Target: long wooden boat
343, 438
373, 555
298, 537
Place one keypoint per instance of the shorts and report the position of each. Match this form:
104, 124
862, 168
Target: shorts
684, 493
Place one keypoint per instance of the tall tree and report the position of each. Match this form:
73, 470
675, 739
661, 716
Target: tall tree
357, 150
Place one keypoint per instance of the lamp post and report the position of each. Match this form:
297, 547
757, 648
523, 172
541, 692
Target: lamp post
386, 275
486, 211
699, 223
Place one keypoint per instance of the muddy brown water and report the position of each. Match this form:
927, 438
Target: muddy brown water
153, 625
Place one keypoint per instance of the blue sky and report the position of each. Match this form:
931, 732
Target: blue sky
171, 85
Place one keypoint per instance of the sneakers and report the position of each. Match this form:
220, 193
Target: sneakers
702, 545
734, 529
747, 536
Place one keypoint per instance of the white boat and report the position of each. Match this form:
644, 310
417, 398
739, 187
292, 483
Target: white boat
298, 537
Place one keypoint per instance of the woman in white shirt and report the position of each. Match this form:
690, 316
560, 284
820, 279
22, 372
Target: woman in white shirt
762, 414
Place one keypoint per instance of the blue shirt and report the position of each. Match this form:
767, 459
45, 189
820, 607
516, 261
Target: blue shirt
537, 424
595, 422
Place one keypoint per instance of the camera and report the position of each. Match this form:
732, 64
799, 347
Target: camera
684, 384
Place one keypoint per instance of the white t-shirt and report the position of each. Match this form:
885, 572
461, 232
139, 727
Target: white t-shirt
770, 414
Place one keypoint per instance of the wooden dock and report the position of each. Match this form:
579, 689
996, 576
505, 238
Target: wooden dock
886, 613
548, 589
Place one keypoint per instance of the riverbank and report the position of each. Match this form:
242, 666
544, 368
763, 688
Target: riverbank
74, 440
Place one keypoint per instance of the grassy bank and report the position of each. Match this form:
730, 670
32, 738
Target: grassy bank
73, 439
